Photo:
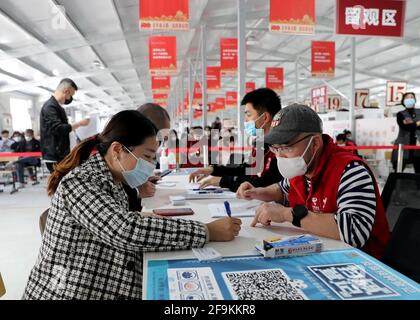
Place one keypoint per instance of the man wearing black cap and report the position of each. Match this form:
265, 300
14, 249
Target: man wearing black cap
327, 191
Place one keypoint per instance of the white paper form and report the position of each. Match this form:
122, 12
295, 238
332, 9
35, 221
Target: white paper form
91, 129
238, 209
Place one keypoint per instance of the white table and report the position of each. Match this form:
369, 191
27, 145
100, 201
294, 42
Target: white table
241, 246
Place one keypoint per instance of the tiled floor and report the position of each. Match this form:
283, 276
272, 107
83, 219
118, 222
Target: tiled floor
20, 237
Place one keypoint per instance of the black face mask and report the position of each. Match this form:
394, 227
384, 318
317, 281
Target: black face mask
68, 101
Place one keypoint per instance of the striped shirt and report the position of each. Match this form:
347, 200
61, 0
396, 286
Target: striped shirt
356, 203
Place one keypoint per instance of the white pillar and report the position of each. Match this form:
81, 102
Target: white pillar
352, 86
204, 73
241, 68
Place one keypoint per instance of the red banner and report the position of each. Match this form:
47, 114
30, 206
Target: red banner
161, 99
274, 79
198, 95
319, 99
220, 103
162, 55
213, 79
371, 17
164, 14
323, 59
228, 56
231, 99
249, 86
161, 84
292, 16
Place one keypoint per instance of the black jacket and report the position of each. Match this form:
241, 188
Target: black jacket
55, 130
20, 146
233, 177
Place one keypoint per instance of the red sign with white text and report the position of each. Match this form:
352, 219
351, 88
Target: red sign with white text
213, 79
371, 17
323, 59
164, 14
231, 99
161, 99
274, 79
249, 86
220, 103
198, 95
162, 55
292, 16
228, 56
161, 84
319, 99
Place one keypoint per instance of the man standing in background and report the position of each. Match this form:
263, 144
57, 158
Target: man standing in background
55, 129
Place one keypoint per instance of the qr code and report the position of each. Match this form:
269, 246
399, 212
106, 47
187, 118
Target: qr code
272, 284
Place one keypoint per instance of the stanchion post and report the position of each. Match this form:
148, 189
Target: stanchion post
400, 158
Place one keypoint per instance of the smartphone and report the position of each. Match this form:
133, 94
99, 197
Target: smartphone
165, 173
174, 212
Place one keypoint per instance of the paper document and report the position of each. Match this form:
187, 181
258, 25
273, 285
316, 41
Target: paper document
90, 130
238, 209
206, 254
216, 194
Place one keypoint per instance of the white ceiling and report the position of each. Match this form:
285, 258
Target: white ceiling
39, 46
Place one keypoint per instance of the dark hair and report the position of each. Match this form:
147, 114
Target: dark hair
68, 83
155, 113
263, 100
30, 131
128, 127
341, 137
17, 133
345, 132
405, 95
5, 131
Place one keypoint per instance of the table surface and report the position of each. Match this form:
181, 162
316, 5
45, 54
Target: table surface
242, 245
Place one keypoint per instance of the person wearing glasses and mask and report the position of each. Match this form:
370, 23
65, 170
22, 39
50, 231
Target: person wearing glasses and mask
92, 247
327, 191
409, 132
55, 129
260, 106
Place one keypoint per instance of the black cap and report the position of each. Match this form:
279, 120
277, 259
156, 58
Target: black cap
292, 121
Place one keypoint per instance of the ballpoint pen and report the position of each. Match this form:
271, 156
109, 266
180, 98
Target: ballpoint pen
227, 207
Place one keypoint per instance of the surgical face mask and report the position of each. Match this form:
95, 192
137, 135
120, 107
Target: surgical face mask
27, 138
17, 139
140, 174
68, 101
250, 127
409, 103
294, 167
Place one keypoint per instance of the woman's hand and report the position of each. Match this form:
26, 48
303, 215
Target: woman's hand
225, 229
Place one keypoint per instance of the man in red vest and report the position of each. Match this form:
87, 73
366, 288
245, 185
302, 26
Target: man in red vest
326, 190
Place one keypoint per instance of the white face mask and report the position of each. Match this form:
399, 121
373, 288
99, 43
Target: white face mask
294, 167
28, 138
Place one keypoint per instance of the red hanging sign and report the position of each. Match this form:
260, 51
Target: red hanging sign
213, 79
274, 79
334, 102
249, 86
371, 17
162, 55
323, 59
161, 84
160, 99
361, 98
292, 16
228, 56
319, 99
198, 95
231, 99
164, 14
220, 103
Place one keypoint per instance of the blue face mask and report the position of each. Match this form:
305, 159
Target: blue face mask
140, 174
409, 103
250, 127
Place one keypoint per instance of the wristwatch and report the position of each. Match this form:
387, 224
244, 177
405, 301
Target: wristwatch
299, 212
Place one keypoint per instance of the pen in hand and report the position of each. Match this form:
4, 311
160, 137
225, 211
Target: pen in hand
227, 207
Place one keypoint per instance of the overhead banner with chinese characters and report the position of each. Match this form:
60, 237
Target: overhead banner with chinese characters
319, 99
292, 16
161, 84
323, 59
213, 79
274, 79
228, 56
249, 86
231, 99
394, 92
164, 14
162, 55
198, 95
161, 99
371, 17
220, 103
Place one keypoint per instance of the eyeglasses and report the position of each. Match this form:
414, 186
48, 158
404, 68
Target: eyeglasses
288, 148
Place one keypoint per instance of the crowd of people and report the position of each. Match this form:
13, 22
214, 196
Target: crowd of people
97, 189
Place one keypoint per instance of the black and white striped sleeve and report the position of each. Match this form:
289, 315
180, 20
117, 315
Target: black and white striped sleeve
356, 203
284, 185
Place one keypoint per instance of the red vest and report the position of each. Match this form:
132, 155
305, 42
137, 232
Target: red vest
322, 196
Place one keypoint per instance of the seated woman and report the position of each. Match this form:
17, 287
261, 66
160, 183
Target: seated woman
92, 245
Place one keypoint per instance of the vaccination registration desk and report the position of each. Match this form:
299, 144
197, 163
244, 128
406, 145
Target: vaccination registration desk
339, 272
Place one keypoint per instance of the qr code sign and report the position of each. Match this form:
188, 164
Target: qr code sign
270, 284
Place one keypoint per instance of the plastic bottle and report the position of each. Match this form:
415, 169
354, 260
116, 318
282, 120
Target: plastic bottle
164, 161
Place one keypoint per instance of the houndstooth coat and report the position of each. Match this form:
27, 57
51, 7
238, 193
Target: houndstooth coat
92, 246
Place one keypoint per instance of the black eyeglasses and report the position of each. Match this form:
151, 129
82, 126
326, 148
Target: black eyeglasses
288, 148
